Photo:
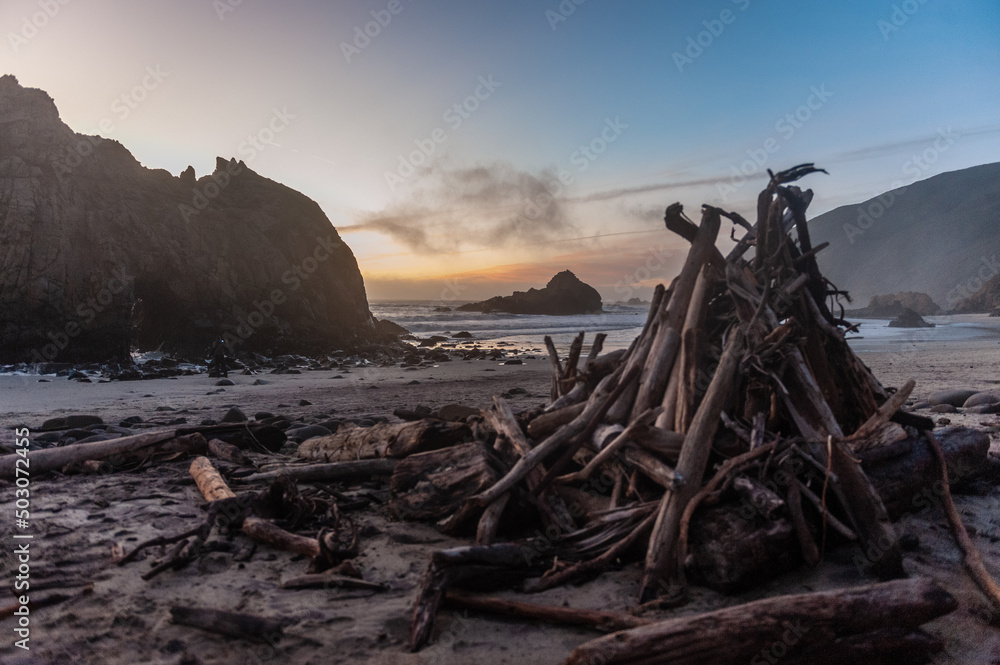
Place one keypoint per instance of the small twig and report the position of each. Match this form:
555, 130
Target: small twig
973, 562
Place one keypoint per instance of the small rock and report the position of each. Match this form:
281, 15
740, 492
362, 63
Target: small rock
70, 422
263, 415
304, 402
225, 382
456, 412
952, 397
413, 383
909, 542
943, 408
463, 335
44, 380
922, 404
207, 422
131, 420
164, 408
944, 421
260, 382
514, 361
517, 391
234, 415
307, 432
982, 399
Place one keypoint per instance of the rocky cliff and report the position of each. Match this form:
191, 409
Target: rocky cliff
986, 299
892, 305
100, 254
565, 294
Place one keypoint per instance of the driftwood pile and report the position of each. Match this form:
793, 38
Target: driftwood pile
737, 437
739, 419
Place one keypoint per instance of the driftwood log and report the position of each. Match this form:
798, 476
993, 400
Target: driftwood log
127, 447
433, 485
351, 442
831, 626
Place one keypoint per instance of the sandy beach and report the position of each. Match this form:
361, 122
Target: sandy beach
126, 620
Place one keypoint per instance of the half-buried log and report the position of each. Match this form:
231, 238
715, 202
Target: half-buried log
384, 440
797, 629
139, 445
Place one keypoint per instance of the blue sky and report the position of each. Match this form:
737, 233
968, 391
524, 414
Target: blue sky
674, 95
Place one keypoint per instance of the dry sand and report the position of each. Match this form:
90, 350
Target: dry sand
126, 620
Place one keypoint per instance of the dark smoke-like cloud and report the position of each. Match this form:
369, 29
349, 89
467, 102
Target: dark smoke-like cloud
495, 205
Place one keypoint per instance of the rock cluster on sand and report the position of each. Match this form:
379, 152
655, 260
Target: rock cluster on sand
909, 319
961, 401
110, 254
565, 294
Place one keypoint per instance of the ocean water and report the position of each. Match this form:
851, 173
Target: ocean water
620, 322
876, 335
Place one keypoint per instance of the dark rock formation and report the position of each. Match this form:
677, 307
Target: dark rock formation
909, 319
893, 305
565, 294
101, 255
986, 299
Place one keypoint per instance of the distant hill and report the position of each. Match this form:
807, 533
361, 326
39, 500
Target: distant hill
940, 236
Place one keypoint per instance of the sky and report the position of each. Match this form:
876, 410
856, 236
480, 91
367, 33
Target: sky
465, 149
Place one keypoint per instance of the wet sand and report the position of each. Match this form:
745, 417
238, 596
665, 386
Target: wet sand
126, 620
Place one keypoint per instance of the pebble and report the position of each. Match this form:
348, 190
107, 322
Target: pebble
304, 402
225, 382
263, 415
234, 415
943, 408
260, 382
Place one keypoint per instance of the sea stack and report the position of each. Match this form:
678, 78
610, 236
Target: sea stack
564, 295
